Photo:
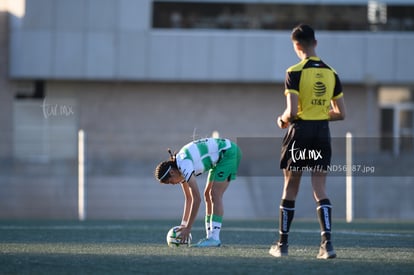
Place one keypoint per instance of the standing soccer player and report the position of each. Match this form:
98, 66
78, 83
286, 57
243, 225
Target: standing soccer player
221, 158
313, 98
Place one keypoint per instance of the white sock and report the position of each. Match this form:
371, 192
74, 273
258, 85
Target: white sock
208, 226
216, 227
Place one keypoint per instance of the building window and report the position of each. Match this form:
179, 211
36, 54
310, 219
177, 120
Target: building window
397, 119
274, 16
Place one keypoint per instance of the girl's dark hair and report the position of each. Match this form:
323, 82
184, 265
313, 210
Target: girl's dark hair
162, 171
303, 34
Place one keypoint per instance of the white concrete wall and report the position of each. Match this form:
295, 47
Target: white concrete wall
128, 128
113, 40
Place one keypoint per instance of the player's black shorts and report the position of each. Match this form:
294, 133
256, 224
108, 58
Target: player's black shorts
307, 146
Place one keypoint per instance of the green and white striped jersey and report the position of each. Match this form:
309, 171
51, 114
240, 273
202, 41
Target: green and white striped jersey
200, 155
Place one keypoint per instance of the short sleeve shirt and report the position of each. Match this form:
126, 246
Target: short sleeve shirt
316, 84
200, 155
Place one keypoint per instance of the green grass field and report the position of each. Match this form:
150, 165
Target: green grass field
138, 247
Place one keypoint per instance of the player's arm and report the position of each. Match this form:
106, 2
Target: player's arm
290, 112
338, 110
192, 204
188, 201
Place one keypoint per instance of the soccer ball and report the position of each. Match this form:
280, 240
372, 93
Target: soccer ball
174, 239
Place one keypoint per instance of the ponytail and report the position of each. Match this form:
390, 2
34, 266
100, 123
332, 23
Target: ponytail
172, 155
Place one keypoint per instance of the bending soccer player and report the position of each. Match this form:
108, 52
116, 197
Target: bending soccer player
313, 98
220, 158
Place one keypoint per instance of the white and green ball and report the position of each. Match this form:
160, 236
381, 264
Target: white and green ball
174, 239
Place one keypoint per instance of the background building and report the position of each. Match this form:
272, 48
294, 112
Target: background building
141, 76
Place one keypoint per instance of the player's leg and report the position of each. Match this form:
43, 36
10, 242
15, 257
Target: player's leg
217, 193
209, 208
323, 205
291, 184
324, 212
292, 172
219, 179
287, 204
319, 185
286, 211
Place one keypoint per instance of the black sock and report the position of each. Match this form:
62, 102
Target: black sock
286, 213
324, 211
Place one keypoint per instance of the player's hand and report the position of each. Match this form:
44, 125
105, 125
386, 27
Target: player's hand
282, 124
185, 233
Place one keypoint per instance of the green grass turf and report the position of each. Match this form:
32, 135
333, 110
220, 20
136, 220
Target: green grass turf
138, 247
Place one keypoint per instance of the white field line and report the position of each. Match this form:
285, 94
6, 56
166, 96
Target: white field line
228, 229
307, 231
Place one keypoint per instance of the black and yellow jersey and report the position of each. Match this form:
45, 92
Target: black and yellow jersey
316, 84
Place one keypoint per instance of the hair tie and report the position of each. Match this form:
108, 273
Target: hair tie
172, 155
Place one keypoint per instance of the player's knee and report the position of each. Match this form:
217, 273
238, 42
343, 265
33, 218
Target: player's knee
216, 194
207, 196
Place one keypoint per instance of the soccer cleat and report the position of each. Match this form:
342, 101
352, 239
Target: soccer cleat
210, 242
279, 250
326, 251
